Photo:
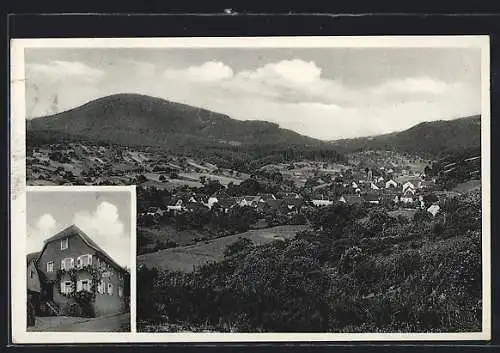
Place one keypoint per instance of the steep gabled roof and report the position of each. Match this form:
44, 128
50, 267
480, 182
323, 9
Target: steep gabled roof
74, 230
352, 199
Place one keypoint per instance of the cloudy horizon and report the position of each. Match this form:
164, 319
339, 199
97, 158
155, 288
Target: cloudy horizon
104, 216
325, 93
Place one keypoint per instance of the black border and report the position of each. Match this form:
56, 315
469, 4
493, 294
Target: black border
273, 22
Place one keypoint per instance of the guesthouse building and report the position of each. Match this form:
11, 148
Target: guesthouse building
76, 277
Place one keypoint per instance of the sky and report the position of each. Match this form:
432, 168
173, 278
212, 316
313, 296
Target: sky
104, 216
325, 93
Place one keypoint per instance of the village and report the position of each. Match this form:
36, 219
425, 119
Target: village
396, 182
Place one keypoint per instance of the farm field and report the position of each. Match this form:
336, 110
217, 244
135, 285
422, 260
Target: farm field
467, 186
224, 180
169, 233
184, 258
405, 212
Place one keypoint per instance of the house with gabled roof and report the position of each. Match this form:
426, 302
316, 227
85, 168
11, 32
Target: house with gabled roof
351, 199
292, 204
433, 209
390, 184
78, 278
408, 188
33, 281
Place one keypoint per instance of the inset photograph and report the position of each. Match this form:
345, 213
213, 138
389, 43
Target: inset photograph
288, 189
79, 258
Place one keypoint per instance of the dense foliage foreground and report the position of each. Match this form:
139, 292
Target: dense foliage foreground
357, 270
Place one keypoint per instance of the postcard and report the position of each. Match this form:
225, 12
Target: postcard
271, 189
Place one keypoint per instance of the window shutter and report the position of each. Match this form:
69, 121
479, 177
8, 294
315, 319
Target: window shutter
63, 265
90, 259
72, 262
79, 286
62, 288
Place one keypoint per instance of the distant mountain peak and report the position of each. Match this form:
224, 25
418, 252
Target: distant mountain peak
135, 119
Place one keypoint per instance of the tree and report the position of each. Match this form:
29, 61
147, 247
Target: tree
240, 247
421, 216
68, 175
427, 171
332, 219
56, 156
211, 187
378, 220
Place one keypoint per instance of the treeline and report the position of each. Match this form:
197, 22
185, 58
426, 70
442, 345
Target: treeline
208, 223
359, 270
456, 167
248, 158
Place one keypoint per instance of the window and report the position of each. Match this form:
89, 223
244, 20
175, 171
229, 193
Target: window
66, 287
120, 291
50, 266
32, 274
83, 284
110, 289
106, 274
101, 287
64, 243
67, 263
84, 260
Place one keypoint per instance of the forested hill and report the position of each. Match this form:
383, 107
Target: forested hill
431, 139
132, 119
143, 121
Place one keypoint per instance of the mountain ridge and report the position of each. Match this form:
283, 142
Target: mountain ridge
140, 120
429, 138
133, 118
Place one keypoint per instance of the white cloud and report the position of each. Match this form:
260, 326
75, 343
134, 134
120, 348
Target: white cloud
107, 230
414, 85
293, 93
46, 223
210, 71
59, 69
297, 71
44, 227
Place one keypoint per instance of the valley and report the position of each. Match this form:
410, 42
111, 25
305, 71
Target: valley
245, 226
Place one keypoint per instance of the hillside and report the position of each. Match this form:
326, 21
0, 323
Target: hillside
430, 139
131, 119
360, 271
